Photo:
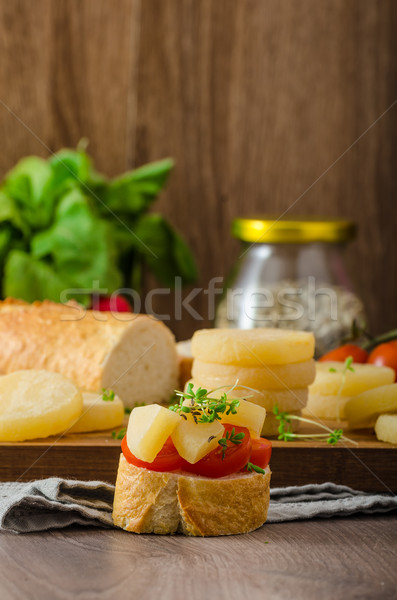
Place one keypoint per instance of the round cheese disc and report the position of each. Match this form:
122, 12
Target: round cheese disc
37, 404
264, 377
332, 378
386, 428
252, 347
286, 400
363, 410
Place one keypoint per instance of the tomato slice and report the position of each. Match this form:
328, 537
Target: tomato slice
167, 459
359, 355
261, 452
236, 456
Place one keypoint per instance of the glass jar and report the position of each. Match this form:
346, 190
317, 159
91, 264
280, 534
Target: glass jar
291, 274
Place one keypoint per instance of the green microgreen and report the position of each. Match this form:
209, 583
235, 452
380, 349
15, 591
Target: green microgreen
251, 467
332, 437
203, 407
347, 366
108, 395
127, 410
118, 435
232, 437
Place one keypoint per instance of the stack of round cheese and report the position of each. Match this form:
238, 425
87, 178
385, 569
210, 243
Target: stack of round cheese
268, 367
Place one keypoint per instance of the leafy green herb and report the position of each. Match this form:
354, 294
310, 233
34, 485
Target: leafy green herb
251, 467
118, 435
64, 226
333, 436
127, 410
233, 438
202, 407
107, 395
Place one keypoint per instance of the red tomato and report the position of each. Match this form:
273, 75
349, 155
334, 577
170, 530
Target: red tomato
385, 355
111, 304
261, 452
236, 457
340, 354
167, 459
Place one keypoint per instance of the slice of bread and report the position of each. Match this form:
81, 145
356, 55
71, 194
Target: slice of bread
135, 355
165, 503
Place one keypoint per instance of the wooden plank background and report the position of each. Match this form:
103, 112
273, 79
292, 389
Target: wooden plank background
264, 104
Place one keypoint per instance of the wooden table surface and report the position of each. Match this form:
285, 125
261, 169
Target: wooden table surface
353, 557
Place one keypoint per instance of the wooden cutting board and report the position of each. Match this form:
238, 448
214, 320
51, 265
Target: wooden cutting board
370, 465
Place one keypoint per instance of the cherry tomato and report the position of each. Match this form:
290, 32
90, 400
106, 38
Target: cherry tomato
385, 355
167, 459
340, 354
235, 458
261, 452
114, 303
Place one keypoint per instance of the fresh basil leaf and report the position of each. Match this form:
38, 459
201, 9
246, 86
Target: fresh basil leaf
164, 250
29, 185
70, 164
134, 191
10, 212
30, 279
6, 234
80, 245
184, 258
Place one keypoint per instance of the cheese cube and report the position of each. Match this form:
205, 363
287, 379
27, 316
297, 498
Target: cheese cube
195, 440
148, 429
248, 415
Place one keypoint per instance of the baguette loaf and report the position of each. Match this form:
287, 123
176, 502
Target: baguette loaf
165, 503
135, 355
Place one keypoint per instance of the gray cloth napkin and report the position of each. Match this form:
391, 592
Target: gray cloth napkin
55, 503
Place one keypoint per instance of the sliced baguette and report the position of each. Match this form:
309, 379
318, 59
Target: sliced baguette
165, 503
135, 355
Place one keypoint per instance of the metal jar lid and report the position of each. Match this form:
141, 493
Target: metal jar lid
270, 230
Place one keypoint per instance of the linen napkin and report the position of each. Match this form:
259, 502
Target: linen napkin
56, 503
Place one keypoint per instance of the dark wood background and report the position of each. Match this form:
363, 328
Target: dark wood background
262, 103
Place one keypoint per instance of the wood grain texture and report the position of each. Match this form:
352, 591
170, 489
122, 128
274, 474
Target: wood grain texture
258, 102
350, 558
67, 72
370, 466
265, 105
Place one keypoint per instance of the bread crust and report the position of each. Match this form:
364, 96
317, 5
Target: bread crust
166, 503
85, 346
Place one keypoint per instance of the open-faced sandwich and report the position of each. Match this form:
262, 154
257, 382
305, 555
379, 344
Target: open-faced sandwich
199, 467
